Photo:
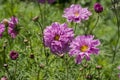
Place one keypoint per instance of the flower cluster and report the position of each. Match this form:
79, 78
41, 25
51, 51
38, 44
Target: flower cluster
76, 13
60, 39
11, 26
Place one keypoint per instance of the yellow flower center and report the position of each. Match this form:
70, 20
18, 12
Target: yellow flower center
84, 48
76, 13
57, 37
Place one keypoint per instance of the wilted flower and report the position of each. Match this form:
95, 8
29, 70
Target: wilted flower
13, 55
98, 8
48, 1
57, 37
83, 46
2, 29
76, 13
12, 28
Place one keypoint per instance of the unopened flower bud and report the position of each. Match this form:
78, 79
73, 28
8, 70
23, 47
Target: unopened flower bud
35, 18
98, 8
98, 67
5, 22
32, 56
81, 69
13, 55
25, 41
42, 65
5, 65
85, 65
89, 77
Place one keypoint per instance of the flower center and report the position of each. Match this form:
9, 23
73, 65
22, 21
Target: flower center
84, 48
57, 37
76, 13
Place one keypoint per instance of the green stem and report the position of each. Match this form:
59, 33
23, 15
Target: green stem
95, 25
66, 63
15, 70
4, 56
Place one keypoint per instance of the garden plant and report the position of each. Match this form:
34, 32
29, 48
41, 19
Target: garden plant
60, 39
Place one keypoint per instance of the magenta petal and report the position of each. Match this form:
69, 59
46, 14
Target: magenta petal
94, 50
2, 29
78, 59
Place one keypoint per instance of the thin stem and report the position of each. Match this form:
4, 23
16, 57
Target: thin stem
4, 56
38, 74
12, 5
10, 77
66, 63
15, 70
95, 25
117, 41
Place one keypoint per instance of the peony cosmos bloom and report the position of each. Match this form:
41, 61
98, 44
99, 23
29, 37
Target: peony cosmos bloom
57, 37
83, 46
13, 55
12, 27
98, 7
76, 13
2, 29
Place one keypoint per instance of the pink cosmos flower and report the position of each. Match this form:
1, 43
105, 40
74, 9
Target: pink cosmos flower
76, 13
83, 46
2, 29
57, 37
12, 27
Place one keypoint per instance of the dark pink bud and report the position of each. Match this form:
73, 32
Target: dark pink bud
98, 8
13, 55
